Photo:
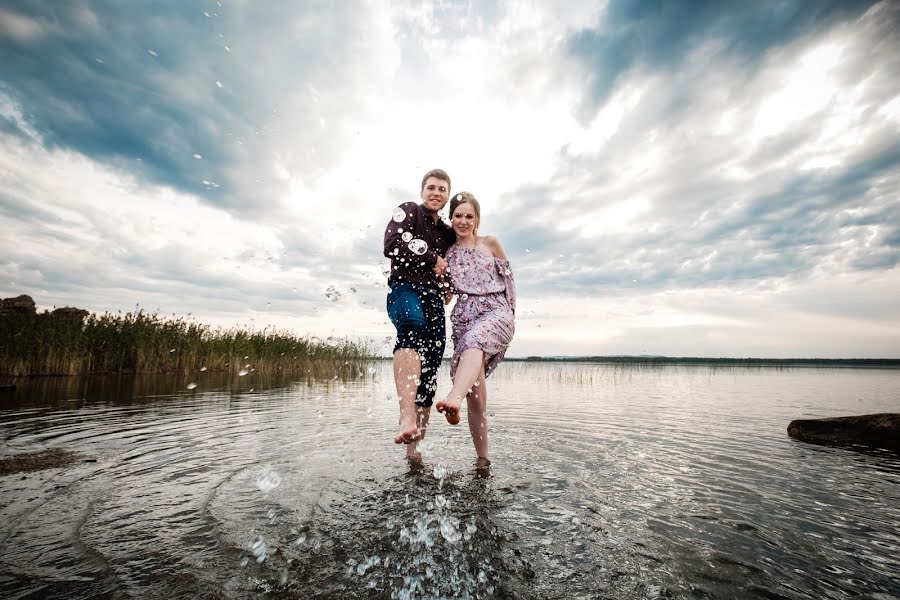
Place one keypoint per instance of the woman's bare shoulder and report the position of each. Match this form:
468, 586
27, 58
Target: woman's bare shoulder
494, 245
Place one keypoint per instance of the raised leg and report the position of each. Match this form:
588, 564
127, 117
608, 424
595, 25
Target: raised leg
471, 365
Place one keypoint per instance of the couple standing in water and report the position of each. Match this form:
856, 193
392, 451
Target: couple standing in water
430, 263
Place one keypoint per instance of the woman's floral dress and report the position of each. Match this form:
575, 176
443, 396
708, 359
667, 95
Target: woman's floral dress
484, 315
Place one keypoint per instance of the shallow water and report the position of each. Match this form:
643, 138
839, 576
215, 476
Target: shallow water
676, 482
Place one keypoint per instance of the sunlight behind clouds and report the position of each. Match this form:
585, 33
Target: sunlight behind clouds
807, 87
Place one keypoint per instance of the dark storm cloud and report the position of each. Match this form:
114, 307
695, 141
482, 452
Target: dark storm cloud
658, 35
147, 86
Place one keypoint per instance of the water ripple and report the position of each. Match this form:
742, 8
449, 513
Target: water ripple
672, 483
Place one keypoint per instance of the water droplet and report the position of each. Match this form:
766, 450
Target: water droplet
172, 350
267, 480
219, 84
192, 386
259, 549
198, 156
399, 215
152, 52
527, 250
418, 246
406, 236
202, 369
242, 372
332, 293
372, 370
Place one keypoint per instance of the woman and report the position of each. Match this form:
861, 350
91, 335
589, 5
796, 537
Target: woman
483, 318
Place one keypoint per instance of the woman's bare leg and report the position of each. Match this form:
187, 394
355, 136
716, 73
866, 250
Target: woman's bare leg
471, 364
476, 405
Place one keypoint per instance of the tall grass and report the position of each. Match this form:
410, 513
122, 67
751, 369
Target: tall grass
46, 344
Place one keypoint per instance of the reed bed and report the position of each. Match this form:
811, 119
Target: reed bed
138, 342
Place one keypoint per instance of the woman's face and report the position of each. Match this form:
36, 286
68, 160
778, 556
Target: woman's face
464, 220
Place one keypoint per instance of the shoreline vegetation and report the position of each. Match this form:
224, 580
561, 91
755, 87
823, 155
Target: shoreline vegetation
71, 341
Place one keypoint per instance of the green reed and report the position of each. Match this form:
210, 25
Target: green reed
138, 342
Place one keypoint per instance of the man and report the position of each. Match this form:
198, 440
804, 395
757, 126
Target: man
416, 241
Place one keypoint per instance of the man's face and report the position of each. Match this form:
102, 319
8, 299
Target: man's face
435, 194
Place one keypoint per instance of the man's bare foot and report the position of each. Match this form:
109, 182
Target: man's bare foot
409, 431
482, 467
449, 410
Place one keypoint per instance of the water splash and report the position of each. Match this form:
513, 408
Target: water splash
259, 549
268, 480
399, 215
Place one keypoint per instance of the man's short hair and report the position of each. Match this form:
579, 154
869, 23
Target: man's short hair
437, 174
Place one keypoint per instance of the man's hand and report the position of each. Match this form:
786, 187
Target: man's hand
440, 267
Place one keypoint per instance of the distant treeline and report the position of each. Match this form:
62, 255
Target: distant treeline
73, 344
720, 362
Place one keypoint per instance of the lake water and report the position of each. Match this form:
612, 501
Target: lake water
676, 482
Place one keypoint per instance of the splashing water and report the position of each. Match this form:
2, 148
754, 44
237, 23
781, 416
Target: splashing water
399, 215
268, 480
406, 236
258, 547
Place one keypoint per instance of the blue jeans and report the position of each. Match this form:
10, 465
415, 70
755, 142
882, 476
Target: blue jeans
418, 315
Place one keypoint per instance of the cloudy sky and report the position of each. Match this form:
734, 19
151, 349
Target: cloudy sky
679, 178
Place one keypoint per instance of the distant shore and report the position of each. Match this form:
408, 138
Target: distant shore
638, 361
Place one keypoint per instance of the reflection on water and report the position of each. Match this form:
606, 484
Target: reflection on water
606, 483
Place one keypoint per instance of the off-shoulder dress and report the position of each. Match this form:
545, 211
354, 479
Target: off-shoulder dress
484, 314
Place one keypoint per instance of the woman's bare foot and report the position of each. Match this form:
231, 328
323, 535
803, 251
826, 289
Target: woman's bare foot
409, 431
449, 410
